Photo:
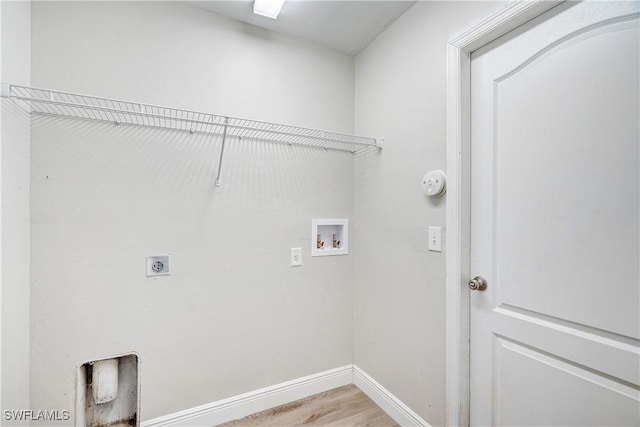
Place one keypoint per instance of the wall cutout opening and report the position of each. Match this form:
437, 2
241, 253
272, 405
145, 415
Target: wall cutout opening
329, 237
107, 392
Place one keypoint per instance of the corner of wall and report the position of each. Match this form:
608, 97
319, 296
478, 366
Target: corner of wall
15, 26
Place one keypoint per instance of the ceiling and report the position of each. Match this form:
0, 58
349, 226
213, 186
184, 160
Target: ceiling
346, 26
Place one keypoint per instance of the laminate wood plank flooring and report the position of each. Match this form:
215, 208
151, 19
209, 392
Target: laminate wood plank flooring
345, 406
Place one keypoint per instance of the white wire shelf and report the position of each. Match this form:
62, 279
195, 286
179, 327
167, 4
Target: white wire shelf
53, 102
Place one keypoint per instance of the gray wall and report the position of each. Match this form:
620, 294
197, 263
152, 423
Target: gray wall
14, 155
399, 289
234, 316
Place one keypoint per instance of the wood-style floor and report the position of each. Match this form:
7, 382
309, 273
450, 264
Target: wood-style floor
345, 406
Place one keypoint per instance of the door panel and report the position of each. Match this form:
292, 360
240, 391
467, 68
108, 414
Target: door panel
567, 181
588, 399
555, 225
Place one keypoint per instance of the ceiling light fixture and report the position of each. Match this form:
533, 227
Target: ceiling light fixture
268, 8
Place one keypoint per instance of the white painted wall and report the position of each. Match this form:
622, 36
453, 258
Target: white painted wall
233, 317
399, 294
14, 189
171, 53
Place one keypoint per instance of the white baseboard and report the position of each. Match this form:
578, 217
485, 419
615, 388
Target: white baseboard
390, 404
240, 406
245, 404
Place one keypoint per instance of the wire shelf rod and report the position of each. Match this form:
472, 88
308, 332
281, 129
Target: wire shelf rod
163, 118
46, 101
256, 139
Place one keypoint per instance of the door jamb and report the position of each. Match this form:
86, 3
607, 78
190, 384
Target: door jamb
458, 229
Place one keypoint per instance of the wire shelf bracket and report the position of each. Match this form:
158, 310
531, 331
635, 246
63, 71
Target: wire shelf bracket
224, 139
58, 103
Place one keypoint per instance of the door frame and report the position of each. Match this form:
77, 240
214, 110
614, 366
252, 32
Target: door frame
458, 229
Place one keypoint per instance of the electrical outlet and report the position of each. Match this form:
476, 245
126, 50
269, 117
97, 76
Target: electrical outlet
296, 257
158, 265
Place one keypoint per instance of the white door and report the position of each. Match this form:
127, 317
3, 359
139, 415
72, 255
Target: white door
555, 197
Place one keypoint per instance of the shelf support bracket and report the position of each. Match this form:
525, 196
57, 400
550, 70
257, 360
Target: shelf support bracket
224, 140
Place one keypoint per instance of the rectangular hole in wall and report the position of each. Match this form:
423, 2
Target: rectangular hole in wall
107, 392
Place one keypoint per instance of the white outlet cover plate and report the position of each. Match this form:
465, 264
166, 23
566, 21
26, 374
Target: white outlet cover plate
296, 257
158, 265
